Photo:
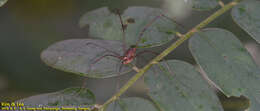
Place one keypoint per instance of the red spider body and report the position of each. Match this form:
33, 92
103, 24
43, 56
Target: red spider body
129, 56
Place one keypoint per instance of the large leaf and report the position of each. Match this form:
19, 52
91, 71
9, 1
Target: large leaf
81, 56
176, 86
222, 56
2, 2
66, 97
246, 15
106, 25
131, 104
204, 4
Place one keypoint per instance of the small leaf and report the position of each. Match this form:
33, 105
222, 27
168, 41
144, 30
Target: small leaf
66, 97
105, 24
204, 4
176, 86
81, 56
131, 104
246, 15
2, 2
223, 57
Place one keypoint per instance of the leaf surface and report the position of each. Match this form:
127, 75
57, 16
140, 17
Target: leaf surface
105, 24
66, 97
84, 57
225, 60
176, 86
204, 4
131, 104
246, 15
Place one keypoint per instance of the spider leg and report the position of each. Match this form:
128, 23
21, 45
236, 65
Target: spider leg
174, 21
155, 53
152, 21
151, 67
146, 27
96, 61
146, 51
96, 45
123, 29
118, 80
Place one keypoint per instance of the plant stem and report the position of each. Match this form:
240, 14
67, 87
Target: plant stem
170, 49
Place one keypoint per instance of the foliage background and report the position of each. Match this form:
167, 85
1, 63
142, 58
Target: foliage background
29, 26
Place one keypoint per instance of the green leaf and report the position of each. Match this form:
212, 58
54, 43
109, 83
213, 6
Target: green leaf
131, 104
105, 24
66, 97
204, 4
80, 56
176, 86
223, 57
2, 2
246, 15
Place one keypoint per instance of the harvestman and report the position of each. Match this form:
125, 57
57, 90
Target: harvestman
129, 54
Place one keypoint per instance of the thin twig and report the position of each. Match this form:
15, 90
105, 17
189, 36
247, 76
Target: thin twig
221, 3
179, 34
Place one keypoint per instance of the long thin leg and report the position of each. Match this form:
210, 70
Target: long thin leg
96, 61
117, 86
155, 53
147, 51
151, 67
146, 27
118, 79
123, 29
96, 45
151, 22
182, 26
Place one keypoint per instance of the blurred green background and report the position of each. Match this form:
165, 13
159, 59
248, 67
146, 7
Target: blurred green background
29, 26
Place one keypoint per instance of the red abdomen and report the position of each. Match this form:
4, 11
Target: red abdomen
129, 56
